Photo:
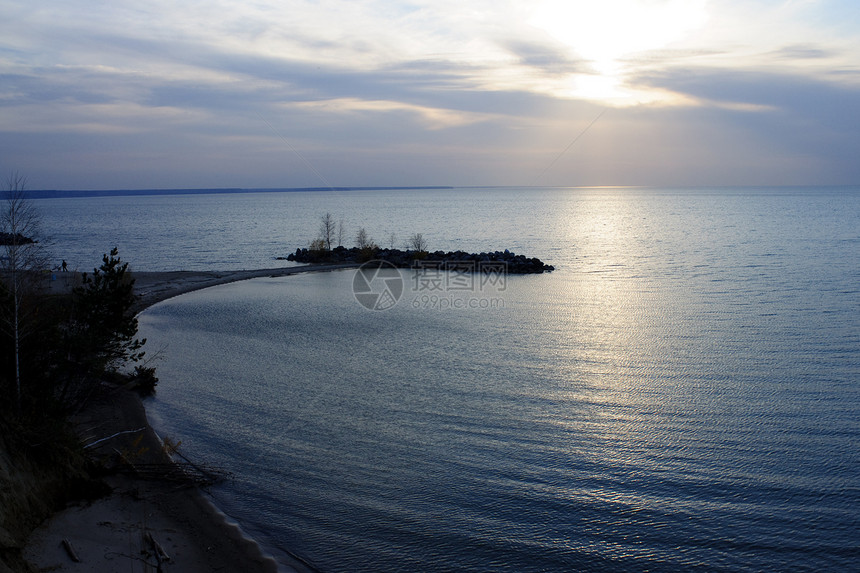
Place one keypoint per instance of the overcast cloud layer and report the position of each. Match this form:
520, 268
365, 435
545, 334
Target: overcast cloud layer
160, 94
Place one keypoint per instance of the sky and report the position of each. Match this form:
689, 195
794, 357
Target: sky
292, 93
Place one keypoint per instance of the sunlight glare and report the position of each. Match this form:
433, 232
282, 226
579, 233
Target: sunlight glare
605, 32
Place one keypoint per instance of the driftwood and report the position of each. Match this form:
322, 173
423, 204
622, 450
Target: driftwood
160, 554
184, 474
67, 545
113, 436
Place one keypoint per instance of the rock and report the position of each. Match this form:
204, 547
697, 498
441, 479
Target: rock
516, 264
16, 239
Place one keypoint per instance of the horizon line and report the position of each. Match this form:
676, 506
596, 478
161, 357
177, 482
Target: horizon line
85, 193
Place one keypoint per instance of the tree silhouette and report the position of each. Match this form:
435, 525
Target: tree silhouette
20, 266
417, 243
327, 230
106, 326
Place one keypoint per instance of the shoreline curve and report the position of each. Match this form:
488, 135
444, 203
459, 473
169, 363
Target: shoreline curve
156, 286
192, 529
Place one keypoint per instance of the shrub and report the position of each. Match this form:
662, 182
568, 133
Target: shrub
144, 380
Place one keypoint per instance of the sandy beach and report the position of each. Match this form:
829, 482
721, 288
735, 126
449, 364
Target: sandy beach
152, 520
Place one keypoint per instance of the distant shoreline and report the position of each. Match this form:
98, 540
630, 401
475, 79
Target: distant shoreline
74, 194
90, 193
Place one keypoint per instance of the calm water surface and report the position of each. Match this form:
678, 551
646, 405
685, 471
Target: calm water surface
681, 393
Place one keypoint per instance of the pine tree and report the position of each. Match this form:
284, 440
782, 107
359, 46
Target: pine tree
103, 317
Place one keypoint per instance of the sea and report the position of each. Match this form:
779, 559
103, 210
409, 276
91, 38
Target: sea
681, 393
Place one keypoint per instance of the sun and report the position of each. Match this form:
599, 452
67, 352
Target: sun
604, 32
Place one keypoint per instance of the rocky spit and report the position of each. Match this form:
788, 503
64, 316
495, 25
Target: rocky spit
513, 263
14, 239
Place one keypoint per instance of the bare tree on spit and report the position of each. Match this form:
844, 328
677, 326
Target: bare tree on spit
327, 230
417, 243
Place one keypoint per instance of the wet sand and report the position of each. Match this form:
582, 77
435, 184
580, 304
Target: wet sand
154, 287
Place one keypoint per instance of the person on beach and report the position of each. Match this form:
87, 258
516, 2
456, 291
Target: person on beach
64, 267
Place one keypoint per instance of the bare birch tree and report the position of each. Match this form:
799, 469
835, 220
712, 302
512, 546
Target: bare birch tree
327, 230
417, 243
21, 263
362, 241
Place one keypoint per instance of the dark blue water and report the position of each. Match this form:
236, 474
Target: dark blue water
682, 393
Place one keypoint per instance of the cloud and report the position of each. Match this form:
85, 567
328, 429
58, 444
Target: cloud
795, 128
377, 90
803, 52
545, 57
792, 98
432, 118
